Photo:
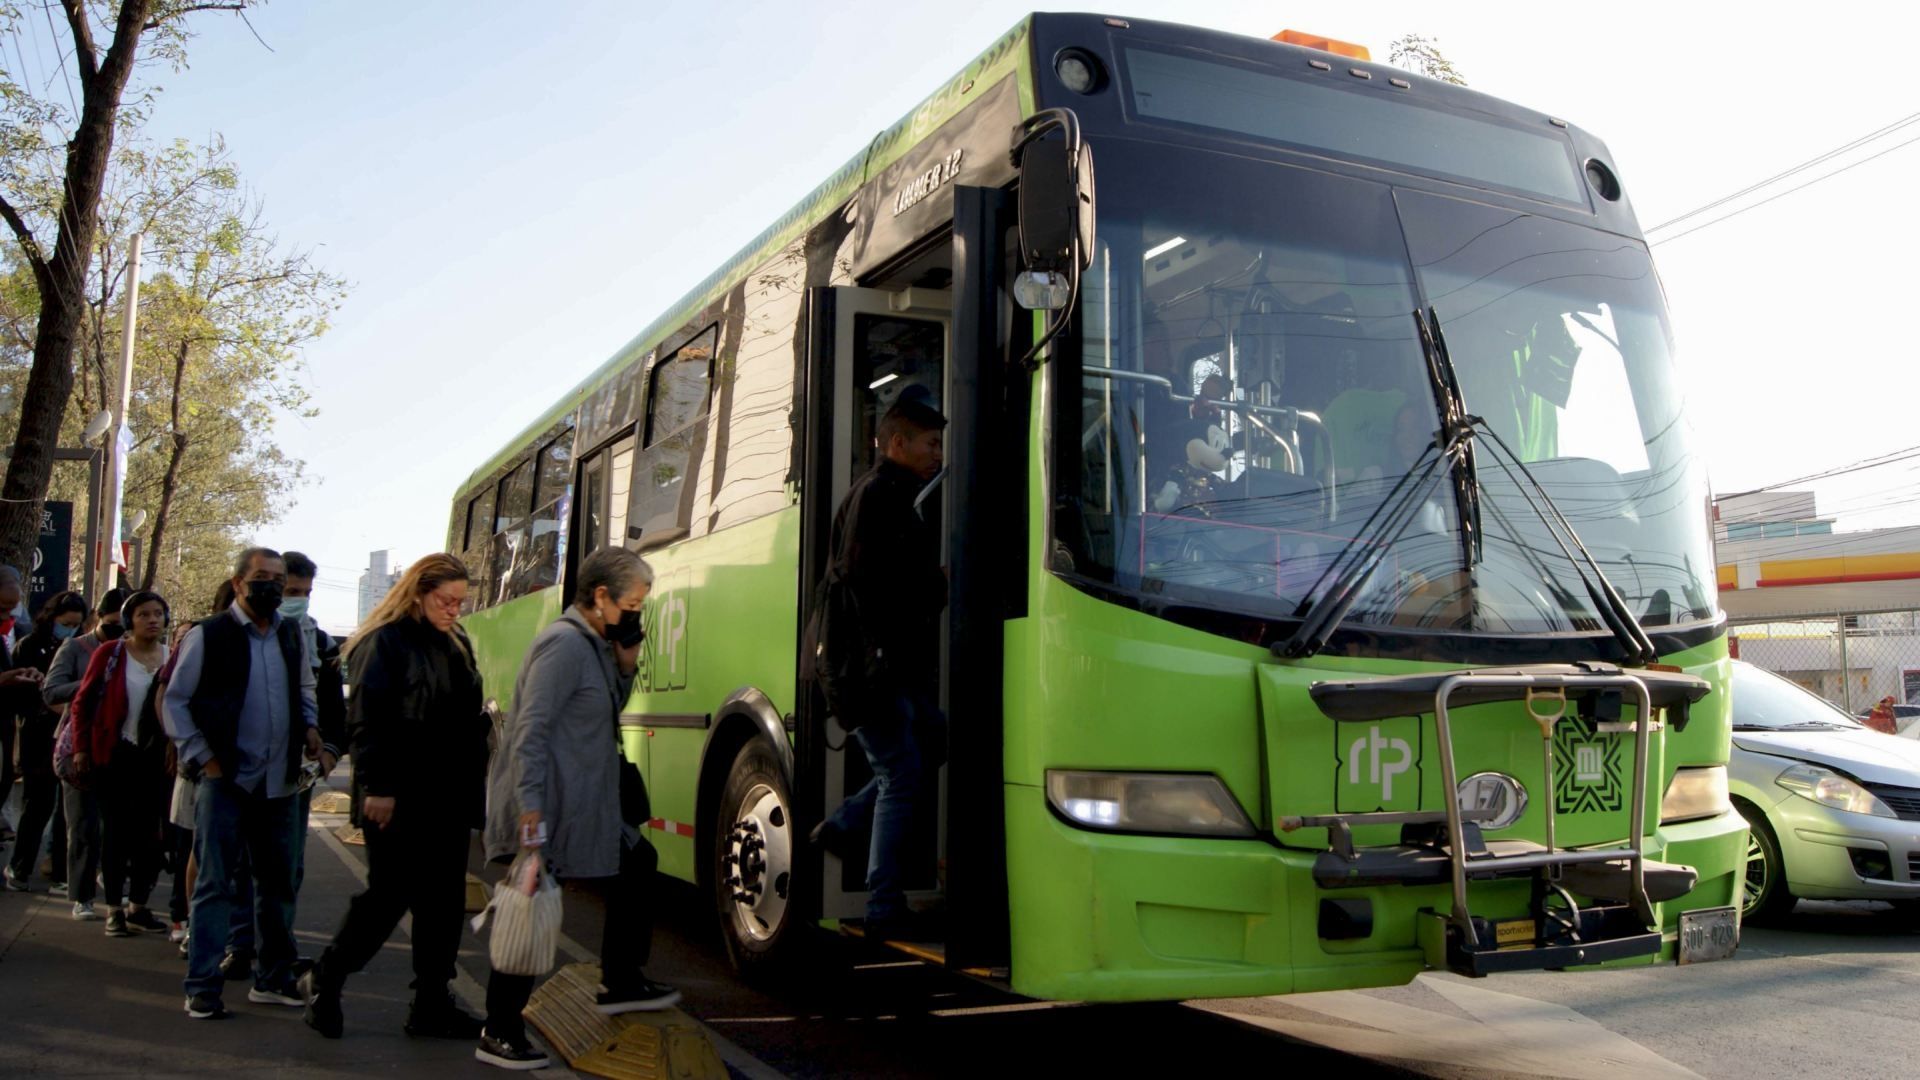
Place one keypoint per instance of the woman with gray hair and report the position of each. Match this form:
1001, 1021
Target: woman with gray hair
559, 783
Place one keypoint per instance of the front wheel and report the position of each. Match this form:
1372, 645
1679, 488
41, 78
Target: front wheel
753, 853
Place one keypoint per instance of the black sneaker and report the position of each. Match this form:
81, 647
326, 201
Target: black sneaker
206, 1007
323, 1006
276, 995
117, 924
236, 966
15, 882
911, 927
145, 919
643, 996
516, 1054
441, 1017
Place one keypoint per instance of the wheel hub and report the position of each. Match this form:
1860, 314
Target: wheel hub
758, 865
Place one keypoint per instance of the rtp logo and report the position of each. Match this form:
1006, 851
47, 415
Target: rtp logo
1377, 766
664, 657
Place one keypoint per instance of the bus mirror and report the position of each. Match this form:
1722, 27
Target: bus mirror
1056, 192
1042, 290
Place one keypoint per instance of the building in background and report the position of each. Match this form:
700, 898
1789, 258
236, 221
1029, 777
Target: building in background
376, 582
1836, 612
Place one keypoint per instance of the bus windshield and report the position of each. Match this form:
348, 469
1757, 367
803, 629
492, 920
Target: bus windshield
1253, 390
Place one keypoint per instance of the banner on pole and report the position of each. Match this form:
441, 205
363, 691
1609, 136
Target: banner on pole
53, 559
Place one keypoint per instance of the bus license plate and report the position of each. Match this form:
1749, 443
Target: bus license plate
1708, 934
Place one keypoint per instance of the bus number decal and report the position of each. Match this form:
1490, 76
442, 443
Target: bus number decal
1377, 766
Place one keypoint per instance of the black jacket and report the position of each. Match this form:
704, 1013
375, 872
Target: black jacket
331, 689
890, 557
414, 722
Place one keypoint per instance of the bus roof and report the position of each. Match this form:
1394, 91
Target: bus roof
1005, 56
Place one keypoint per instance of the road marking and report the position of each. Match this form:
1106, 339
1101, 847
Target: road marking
1502, 1031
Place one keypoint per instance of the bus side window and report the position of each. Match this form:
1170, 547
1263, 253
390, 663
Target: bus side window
479, 537
660, 505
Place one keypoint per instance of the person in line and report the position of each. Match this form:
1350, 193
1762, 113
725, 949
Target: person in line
557, 784
11, 591
120, 753
58, 619
77, 803
324, 654
242, 713
181, 809
890, 558
419, 741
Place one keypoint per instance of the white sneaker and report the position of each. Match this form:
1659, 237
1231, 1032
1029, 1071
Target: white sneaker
84, 913
178, 932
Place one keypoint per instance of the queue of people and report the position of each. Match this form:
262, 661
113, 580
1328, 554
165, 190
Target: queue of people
145, 746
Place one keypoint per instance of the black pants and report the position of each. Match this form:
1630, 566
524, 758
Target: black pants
40, 797
130, 817
417, 863
626, 940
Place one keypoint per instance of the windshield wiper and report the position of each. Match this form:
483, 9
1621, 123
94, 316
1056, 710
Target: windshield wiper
1356, 562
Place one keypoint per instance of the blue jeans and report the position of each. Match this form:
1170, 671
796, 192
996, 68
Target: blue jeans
241, 941
230, 826
902, 749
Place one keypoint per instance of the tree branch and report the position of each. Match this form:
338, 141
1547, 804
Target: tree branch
84, 52
28, 243
190, 8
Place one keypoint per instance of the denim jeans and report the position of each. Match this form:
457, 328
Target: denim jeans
241, 941
902, 750
230, 824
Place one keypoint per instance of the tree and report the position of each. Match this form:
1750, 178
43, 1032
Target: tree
34, 128
224, 312
1421, 55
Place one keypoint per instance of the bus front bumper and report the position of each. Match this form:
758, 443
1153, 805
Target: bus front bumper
1106, 917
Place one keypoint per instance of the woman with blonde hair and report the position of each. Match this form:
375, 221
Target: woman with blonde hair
419, 746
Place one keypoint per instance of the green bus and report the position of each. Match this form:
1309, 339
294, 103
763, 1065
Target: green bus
1332, 593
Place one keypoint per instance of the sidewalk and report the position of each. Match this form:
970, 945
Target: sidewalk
76, 1002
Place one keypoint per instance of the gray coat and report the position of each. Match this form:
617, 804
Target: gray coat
69, 664
559, 753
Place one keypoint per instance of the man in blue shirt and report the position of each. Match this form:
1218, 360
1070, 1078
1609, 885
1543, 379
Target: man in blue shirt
243, 712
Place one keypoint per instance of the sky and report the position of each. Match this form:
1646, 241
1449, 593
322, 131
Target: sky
514, 190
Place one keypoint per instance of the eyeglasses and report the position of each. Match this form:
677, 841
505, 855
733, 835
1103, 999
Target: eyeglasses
445, 603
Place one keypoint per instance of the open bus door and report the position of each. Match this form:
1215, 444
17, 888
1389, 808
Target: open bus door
868, 347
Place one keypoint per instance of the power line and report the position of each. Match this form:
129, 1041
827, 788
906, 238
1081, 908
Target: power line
1889, 458
1754, 206
1803, 166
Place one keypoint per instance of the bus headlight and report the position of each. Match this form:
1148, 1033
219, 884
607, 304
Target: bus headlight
1698, 792
1184, 804
1829, 788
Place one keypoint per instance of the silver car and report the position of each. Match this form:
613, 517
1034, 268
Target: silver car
1834, 805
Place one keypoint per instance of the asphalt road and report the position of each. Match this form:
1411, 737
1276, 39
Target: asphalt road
1831, 992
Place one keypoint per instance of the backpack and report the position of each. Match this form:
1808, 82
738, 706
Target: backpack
840, 658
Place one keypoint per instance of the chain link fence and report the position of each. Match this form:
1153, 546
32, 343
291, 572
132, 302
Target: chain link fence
1851, 660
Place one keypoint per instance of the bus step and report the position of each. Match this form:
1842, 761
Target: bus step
932, 952
1606, 933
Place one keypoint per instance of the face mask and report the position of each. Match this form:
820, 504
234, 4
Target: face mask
293, 607
108, 631
626, 629
263, 597
61, 631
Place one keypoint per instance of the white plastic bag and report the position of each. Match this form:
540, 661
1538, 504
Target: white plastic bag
526, 918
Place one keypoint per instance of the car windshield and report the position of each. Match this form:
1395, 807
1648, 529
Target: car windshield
1765, 701
1252, 389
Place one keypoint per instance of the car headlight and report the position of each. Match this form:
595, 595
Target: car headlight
1697, 792
1829, 788
1189, 804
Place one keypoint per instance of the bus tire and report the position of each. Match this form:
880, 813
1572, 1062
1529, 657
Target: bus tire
753, 853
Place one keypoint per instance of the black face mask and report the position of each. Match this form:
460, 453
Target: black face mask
108, 631
626, 631
263, 597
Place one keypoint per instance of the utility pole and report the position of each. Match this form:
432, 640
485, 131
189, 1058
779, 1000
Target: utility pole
121, 438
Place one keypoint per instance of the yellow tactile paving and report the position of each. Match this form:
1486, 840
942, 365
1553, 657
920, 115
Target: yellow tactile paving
665, 1045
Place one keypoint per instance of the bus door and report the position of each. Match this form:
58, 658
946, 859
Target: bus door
886, 346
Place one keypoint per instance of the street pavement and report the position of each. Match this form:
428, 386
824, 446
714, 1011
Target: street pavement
1831, 992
